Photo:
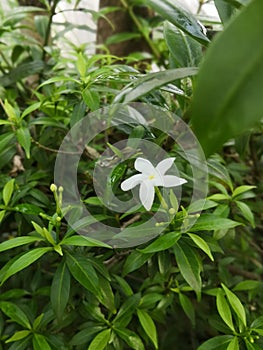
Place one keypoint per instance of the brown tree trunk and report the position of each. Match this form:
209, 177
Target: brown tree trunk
118, 22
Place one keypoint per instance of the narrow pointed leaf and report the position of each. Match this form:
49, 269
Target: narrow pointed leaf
60, 287
148, 326
25, 260
101, 340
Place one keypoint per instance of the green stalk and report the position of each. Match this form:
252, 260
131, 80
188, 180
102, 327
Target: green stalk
140, 29
161, 199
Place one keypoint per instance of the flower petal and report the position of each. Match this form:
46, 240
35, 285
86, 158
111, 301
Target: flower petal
144, 166
172, 181
131, 182
146, 194
164, 165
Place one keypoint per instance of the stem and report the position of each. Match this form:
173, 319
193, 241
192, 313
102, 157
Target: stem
161, 199
140, 28
48, 31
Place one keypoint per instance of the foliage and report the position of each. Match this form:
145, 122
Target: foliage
200, 287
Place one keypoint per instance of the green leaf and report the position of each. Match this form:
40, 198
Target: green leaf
229, 81
125, 287
187, 307
185, 51
235, 304
233, 345
130, 338
81, 64
9, 109
225, 10
14, 312
216, 342
188, 265
24, 260
6, 139
40, 342
134, 261
257, 323
27, 208
241, 189
107, 296
211, 222
18, 336
180, 18
24, 139
17, 242
153, 81
2, 215
83, 272
247, 285
246, 212
148, 326
84, 241
91, 98
31, 109
162, 243
8, 191
201, 243
224, 309
60, 287
85, 335
120, 37
22, 71
126, 310
101, 340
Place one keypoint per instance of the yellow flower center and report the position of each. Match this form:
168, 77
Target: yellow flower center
151, 177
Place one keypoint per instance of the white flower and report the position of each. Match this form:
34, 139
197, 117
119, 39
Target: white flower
149, 178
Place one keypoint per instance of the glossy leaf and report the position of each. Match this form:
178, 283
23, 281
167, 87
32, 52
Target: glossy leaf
83, 241
83, 272
18, 336
134, 261
224, 309
130, 338
227, 98
188, 265
40, 342
16, 314
8, 191
126, 310
101, 340
201, 243
60, 287
162, 243
185, 51
216, 342
233, 345
23, 261
241, 189
153, 81
148, 326
246, 212
180, 18
24, 139
85, 335
209, 222
17, 242
235, 304
187, 307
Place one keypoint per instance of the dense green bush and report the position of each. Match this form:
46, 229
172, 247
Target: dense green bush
193, 282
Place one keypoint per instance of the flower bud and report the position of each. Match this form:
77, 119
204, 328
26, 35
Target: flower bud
171, 211
53, 188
